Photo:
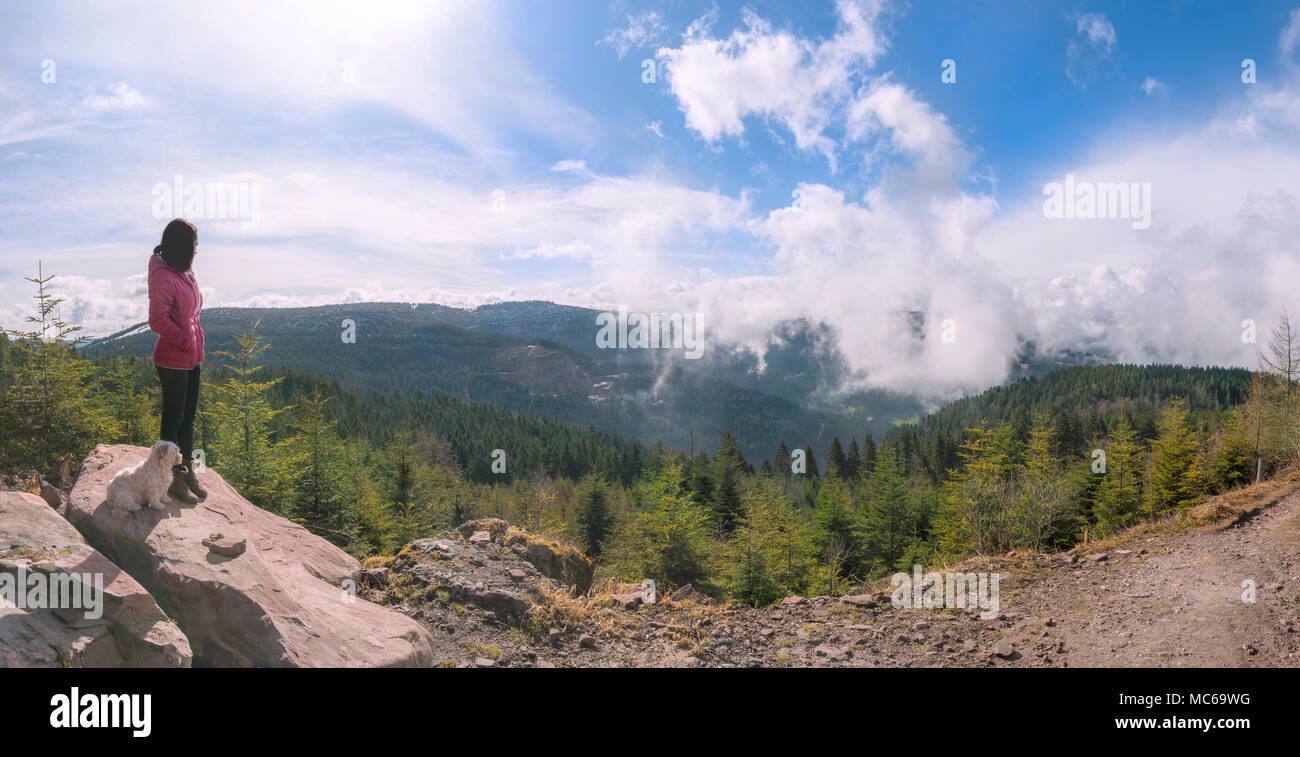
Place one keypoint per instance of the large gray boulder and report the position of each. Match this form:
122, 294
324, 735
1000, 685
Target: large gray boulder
250, 589
97, 617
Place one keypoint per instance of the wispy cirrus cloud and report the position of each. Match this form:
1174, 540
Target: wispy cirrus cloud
1093, 43
641, 31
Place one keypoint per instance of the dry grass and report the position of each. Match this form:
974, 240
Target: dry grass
377, 561
491, 651
557, 609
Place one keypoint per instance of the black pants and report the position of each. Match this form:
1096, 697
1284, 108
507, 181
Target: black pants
180, 399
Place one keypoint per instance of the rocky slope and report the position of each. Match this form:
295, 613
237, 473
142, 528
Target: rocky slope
1169, 595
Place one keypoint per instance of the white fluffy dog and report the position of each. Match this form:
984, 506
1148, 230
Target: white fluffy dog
147, 482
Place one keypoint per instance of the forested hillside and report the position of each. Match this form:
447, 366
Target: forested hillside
1037, 465
1101, 390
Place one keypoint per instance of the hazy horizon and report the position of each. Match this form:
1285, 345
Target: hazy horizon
851, 163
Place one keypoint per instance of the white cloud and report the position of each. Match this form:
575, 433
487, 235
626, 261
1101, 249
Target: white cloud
911, 127
1153, 86
304, 60
576, 250
1289, 39
1098, 29
120, 98
641, 31
759, 71
1093, 43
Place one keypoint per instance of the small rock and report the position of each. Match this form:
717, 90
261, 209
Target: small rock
484, 662
554, 635
859, 600
517, 574
226, 547
1098, 557
52, 496
834, 654
793, 601
688, 594
375, 577
627, 601
481, 538
1004, 649
587, 641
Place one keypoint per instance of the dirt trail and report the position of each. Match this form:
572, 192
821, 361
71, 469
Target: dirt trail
1177, 600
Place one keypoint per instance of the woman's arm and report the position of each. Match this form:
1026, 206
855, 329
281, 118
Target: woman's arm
161, 300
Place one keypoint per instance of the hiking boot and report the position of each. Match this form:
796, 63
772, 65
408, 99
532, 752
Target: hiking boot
180, 491
192, 481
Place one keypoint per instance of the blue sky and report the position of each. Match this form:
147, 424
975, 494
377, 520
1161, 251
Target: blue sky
789, 160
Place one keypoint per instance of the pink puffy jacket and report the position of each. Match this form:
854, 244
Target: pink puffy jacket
174, 306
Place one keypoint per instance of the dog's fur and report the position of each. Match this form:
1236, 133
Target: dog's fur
148, 481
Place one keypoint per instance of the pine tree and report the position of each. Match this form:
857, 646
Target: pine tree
1233, 462
1045, 505
1260, 419
128, 405
325, 484
1118, 495
839, 526
377, 525
781, 463
887, 509
1039, 462
1173, 452
978, 508
853, 460
728, 467
811, 460
769, 555
244, 452
47, 410
673, 534
868, 455
1282, 359
594, 514
836, 462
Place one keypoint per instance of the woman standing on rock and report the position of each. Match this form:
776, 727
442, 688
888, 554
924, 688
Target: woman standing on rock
174, 307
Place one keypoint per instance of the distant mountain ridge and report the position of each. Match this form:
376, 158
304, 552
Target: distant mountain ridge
534, 357
540, 357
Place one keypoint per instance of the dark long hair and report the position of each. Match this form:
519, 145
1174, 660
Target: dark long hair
179, 241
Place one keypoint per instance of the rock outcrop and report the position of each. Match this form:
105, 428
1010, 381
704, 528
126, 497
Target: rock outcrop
559, 562
33, 483
461, 572
248, 587
97, 617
